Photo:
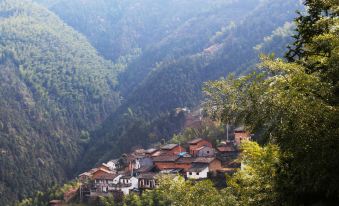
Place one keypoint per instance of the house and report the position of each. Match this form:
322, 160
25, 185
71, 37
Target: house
184, 163
227, 148
104, 166
113, 164
147, 181
165, 161
127, 183
150, 152
84, 177
99, 171
171, 171
240, 135
197, 143
214, 164
198, 171
227, 152
144, 169
204, 151
171, 149
103, 182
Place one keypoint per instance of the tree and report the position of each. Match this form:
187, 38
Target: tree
295, 106
255, 183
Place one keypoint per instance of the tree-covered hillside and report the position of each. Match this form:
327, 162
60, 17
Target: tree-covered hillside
178, 82
53, 89
64, 108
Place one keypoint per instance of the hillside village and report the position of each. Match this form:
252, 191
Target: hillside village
138, 171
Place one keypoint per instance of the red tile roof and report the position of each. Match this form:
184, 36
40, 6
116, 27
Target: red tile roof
107, 176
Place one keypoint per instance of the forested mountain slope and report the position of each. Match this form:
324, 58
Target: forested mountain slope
116, 27
164, 29
177, 82
56, 92
53, 88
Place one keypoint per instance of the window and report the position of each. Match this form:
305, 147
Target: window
208, 152
190, 173
197, 173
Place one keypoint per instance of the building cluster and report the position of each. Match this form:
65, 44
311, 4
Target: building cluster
138, 171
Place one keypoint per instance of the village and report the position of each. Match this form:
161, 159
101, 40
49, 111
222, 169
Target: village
140, 170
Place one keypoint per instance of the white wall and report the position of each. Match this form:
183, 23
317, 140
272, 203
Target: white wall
194, 175
134, 182
111, 165
116, 180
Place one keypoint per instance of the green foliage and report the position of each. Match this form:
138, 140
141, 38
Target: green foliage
294, 105
210, 131
178, 192
43, 198
255, 183
53, 85
107, 201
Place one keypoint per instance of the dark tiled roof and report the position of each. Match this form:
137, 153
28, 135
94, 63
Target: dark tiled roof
125, 177
149, 175
169, 146
204, 159
185, 160
194, 141
198, 167
146, 168
165, 158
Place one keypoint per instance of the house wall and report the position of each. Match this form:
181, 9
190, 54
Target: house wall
196, 175
117, 179
146, 161
192, 147
146, 183
176, 150
134, 182
214, 165
184, 166
165, 165
111, 165
241, 136
206, 152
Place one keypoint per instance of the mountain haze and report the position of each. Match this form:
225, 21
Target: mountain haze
84, 81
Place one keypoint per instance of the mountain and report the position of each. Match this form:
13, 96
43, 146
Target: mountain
54, 87
147, 116
64, 106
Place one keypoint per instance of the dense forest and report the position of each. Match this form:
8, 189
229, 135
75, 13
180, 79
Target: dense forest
54, 88
84, 81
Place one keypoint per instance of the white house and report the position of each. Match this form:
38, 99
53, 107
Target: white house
198, 171
128, 183
113, 164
